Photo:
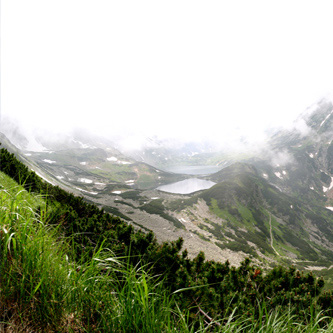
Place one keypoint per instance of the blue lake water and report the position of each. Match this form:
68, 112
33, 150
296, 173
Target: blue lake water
187, 186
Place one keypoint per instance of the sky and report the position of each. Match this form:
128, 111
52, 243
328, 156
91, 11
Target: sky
192, 70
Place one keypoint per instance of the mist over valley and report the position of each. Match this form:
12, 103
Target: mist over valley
271, 201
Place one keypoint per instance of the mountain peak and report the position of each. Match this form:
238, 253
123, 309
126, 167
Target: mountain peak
320, 117
236, 169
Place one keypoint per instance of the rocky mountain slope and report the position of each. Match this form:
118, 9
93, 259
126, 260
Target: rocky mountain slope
301, 161
275, 206
251, 215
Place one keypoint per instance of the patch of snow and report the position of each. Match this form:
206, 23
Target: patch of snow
41, 176
183, 220
80, 189
325, 189
124, 162
85, 180
311, 188
27, 154
60, 177
83, 163
330, 208
265, 175
311, 155
65, 172
324, 121
102, 184
129, 181
117, 192
277, 187
49, 161
112, 159
98, 168
83, 145
154, 198
278, 174
284, 172
291, 206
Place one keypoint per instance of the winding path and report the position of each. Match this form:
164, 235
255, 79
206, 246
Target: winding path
270, 231
292, 259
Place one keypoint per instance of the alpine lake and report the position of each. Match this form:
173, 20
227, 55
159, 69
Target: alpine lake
190, 185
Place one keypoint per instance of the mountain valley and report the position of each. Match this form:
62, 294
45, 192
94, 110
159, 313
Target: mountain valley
274, 205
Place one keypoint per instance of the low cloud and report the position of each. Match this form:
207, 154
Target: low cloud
301, 127
282, 158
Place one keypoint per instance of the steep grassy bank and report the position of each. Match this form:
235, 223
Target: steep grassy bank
42, 288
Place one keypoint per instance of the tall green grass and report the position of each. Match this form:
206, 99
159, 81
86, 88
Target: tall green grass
33, 264
42, 289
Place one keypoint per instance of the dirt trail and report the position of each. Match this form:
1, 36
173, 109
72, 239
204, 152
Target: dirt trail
270, 231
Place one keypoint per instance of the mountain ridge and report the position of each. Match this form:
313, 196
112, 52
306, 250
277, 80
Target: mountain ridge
273, 205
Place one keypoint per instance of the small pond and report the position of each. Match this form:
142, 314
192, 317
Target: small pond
187, 186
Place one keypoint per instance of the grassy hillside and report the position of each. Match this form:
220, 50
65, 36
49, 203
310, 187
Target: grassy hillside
255, 217
68, 266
